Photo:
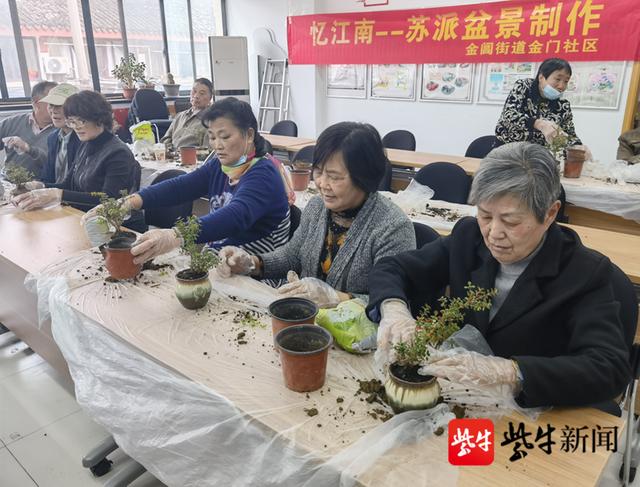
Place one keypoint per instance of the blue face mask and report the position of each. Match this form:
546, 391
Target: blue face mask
550, 93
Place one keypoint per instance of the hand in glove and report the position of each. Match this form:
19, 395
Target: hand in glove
16, 143
587, 152
548, 128
397, 325
38, 198
473, 368
311, 288
234, 260
31, 185
154, 243
92, 214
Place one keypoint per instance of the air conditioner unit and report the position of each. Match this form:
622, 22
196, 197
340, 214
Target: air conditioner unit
55, 64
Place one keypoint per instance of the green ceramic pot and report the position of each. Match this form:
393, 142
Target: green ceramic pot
408, 392
193, 290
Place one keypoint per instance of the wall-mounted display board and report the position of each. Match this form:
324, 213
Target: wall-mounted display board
347, 80
497, 79
393, 81
447, 82
596, 85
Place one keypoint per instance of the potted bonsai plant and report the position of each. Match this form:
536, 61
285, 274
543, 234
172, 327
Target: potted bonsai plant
406, 389
129, 71
193, 288
170, 86
117, 251
19, 176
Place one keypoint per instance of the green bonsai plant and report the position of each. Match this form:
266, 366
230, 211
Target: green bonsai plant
111, 212
433, 327
558, 145
128, 71
201, 260
18, 175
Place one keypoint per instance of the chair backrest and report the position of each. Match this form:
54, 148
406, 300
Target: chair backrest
166, 216
268, 148
385, 182
424, 234
304, 155
295, 214
482, 146
561, 217
399, 139
149, 105
449, 181
624, 292
285, 127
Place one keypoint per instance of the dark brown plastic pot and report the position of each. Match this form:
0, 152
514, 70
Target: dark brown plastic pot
304, 350
118, 258
300, 179
574, 162
291, 311
188, 156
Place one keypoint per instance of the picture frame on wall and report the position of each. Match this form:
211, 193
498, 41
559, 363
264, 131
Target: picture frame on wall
596, 85
347, 80
497, 80
393, 81
447, 82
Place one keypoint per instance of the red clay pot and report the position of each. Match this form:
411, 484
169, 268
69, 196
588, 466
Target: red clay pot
300, 179
304, 350
291, 311
574, 162
118, 258
188, 156
129, 93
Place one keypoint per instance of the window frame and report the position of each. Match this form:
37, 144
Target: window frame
8, 103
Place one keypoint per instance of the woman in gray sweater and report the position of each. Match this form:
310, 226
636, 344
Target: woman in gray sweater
343, 232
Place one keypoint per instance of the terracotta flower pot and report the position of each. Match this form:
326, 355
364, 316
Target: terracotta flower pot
118, 258
129, 93
574, 162
19, 190
193, 289
304, 350
291, 311
300, 179
188, 156
407, 390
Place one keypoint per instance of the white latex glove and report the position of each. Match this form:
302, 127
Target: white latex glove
92, 214
16, 143
310, 288
38, 198
548, 128
154, 243
587, 152
234, 260
397, 325
472, 368
31, 185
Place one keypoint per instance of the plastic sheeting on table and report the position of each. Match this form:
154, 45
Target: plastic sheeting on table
616, 199
198, 408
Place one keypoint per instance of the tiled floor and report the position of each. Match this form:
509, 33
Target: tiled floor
44, 433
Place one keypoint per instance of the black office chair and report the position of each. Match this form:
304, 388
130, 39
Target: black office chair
449, 181
561, 217
285, 127
399, 139
166, 216
385, 182
149, 105
295, 214
268, 148
304, 155
424, 234
482, 146
181, 105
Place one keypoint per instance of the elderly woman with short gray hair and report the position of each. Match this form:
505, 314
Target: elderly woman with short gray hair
553, 324
343, 232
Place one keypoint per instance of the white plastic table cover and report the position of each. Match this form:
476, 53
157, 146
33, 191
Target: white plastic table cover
196, 407
152, 169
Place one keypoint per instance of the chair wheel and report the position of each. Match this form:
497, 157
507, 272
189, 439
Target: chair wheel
101, 468
632, 473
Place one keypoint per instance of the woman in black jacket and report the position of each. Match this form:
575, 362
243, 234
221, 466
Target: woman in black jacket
103, 163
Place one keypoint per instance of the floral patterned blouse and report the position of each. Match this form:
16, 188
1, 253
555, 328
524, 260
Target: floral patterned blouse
524, 106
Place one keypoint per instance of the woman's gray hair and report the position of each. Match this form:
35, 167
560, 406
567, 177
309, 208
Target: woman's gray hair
521, 169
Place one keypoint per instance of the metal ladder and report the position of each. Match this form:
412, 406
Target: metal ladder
274, 94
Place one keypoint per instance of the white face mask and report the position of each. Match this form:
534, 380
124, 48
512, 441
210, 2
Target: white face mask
550, 93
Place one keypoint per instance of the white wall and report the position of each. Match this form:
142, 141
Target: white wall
439, 127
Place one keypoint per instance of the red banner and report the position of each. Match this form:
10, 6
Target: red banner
576, 30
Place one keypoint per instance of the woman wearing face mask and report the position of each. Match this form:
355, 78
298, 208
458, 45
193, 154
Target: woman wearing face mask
248, 203
535, 111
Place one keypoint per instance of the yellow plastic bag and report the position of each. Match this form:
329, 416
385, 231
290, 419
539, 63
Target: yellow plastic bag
348, 323
142, 131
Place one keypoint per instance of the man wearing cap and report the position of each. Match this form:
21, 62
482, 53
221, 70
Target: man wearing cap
24, 136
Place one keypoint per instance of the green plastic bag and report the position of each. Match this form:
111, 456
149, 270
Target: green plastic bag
348, 323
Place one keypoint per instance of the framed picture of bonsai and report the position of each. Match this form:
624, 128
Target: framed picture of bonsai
596, 85
393, 81
347, 80
497, 79
447, 82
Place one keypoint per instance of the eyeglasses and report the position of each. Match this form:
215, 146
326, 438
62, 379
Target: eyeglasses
332, 178
75, 123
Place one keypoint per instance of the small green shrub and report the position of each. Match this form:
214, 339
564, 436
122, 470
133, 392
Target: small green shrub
18, 175
201, 259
